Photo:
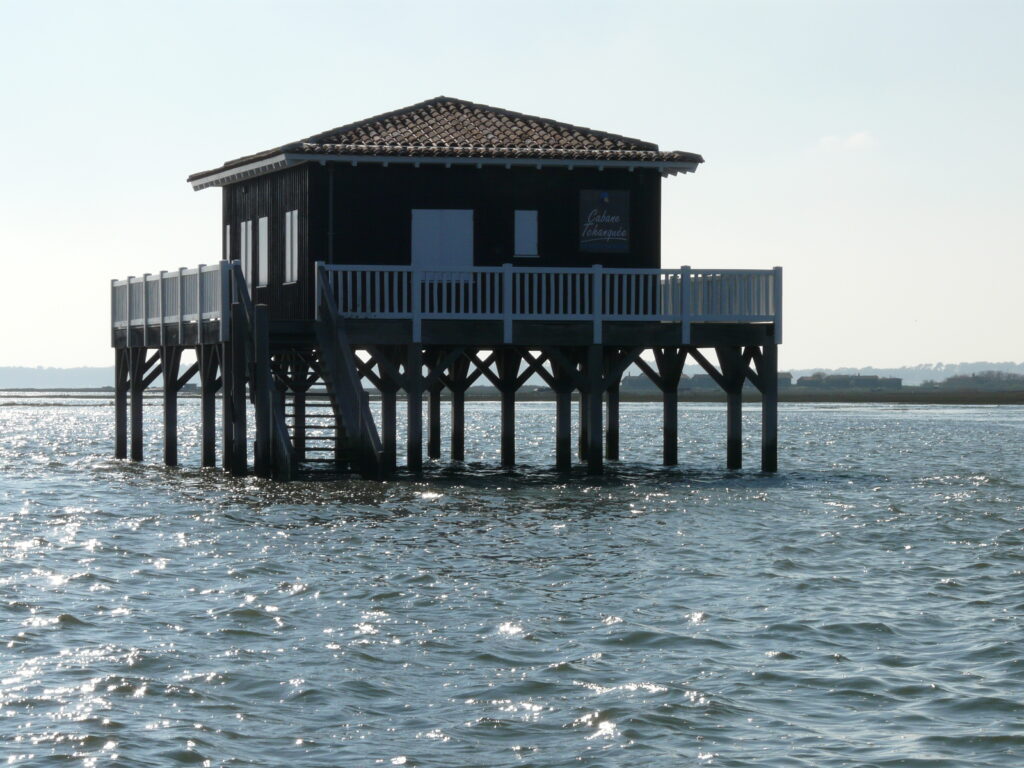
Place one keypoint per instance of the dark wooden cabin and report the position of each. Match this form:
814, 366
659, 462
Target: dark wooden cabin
423, 250
443, 184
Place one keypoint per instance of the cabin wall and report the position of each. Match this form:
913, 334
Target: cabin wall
363, 215
372, 211
272, 196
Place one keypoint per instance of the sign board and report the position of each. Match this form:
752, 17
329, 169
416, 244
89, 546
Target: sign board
604, 221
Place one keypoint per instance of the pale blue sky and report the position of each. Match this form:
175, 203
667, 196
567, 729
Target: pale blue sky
872, 149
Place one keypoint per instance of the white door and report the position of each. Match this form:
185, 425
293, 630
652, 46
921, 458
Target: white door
442, 239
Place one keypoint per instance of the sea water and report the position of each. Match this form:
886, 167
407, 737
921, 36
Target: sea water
859, 608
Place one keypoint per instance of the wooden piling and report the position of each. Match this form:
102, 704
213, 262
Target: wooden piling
137, 387
508, 372
263, 405
121, 386
594, 409
170, 360
239, 440
734, 429
669, 362
769, 375
226, 406
582, 438
209, 384
434, 421
414, 408
733, 375
458, 374
612, 428
670, 427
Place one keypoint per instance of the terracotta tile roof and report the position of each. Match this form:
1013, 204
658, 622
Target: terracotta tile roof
447, 127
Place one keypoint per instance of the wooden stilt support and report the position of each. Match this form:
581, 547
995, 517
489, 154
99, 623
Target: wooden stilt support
137, 388
733, 365
170, 358
226, 406
612, 429
263, 405
594, 409
669, 362
209, 384
414, 406
457, 376
563, 384
434, 421
389, 425
122, 379
508, 373
769, 375
584, 425
239, 441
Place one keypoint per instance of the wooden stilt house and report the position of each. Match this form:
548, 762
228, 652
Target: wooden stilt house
424, 249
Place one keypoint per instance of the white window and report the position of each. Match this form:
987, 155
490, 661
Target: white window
245, 250
291, 246
526, 233
442, 238
264, 251
227, 242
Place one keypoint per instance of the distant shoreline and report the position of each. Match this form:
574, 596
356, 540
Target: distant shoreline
907, 396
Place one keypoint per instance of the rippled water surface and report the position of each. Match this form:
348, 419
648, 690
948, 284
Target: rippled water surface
860, 608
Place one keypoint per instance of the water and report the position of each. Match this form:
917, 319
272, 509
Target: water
861, 608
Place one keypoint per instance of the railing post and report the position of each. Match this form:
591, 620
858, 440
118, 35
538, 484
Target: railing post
145, 309
684, 305
506, 302
181, 306
113, 310
417, 335
160, 304
129, 318
777, 291
199, 303
597, 301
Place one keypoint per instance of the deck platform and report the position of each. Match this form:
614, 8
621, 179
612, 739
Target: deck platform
398, 329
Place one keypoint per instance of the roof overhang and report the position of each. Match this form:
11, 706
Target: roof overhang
289, 159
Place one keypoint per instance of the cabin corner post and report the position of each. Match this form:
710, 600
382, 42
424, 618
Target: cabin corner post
122, 368
769, 375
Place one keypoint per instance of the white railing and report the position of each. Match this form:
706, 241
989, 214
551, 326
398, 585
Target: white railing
593, 294
173, 298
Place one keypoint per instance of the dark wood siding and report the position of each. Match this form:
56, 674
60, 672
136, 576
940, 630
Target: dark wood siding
372, 212
272, 196
363, 215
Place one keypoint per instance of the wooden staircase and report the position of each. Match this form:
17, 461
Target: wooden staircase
357, 441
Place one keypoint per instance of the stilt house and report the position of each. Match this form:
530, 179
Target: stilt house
418, 251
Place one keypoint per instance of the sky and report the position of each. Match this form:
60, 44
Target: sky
874, 150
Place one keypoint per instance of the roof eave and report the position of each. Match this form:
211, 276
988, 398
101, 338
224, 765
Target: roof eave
282, 160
